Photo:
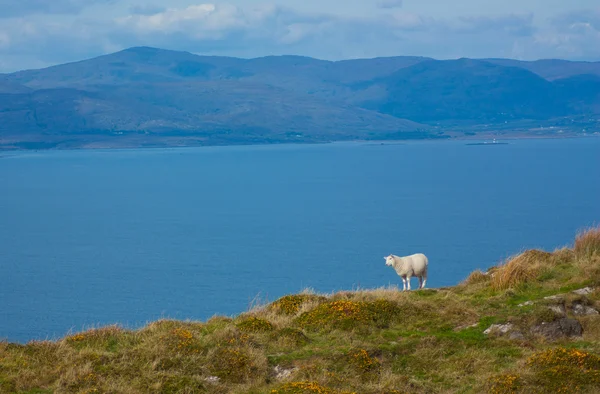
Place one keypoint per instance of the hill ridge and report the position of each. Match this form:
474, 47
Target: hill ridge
146, 96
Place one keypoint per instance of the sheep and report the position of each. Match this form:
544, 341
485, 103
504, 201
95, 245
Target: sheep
409, 266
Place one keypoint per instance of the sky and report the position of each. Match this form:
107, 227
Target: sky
40, 33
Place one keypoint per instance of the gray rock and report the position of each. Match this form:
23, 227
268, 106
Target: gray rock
558, 329
212, 379
584, 310
499, 329
283, 373
584, 291
559, 309
504, 329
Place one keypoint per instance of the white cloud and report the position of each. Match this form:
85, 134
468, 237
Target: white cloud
250, 31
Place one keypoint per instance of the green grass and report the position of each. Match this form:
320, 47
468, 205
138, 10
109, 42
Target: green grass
371, 341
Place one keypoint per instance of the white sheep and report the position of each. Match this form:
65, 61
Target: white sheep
409, 266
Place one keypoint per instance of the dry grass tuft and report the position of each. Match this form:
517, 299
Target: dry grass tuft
587, 243
476, 277
520, 269
289, 337
237, 364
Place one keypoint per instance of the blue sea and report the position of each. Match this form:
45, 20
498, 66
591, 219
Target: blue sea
95, 237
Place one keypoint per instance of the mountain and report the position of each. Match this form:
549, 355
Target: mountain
153, 97
467, 89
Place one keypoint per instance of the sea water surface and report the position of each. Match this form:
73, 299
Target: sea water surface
90, 238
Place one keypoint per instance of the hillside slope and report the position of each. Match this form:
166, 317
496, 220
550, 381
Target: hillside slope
530, 325
467, 89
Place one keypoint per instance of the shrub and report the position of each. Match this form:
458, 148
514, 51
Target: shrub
587, 243
181, 339
365, 365
346, 314
504, 384
561, 356
565, 370
255, 324
291, 304
306, 388
520, 269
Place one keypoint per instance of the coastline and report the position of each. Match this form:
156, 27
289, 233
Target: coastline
480, 137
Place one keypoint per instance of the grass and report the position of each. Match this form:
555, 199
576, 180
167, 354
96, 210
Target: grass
371, 341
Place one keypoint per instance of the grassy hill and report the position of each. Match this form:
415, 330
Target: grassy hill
529, 325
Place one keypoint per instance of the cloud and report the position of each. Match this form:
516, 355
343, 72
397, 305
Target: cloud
390, 4
17, 8
231, 30
574, 35
584, 18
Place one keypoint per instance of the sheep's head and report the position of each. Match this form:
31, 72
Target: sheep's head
389, 260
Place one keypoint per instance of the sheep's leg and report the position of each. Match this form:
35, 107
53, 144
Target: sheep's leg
403, 283
408, 282
424, 280
420, 282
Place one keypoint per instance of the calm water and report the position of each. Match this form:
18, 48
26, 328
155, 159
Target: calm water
96, 237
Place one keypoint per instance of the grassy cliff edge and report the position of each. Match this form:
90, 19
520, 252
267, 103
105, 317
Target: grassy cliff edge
528, 325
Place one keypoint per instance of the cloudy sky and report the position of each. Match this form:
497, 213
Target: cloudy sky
38, 33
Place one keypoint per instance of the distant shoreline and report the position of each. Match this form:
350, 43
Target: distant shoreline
485, 139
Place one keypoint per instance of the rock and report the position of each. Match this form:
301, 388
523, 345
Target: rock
559, 309
282, 373
503, 329
562, 328
499, 328
584, 291
527, 303
212, 379
584, 310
